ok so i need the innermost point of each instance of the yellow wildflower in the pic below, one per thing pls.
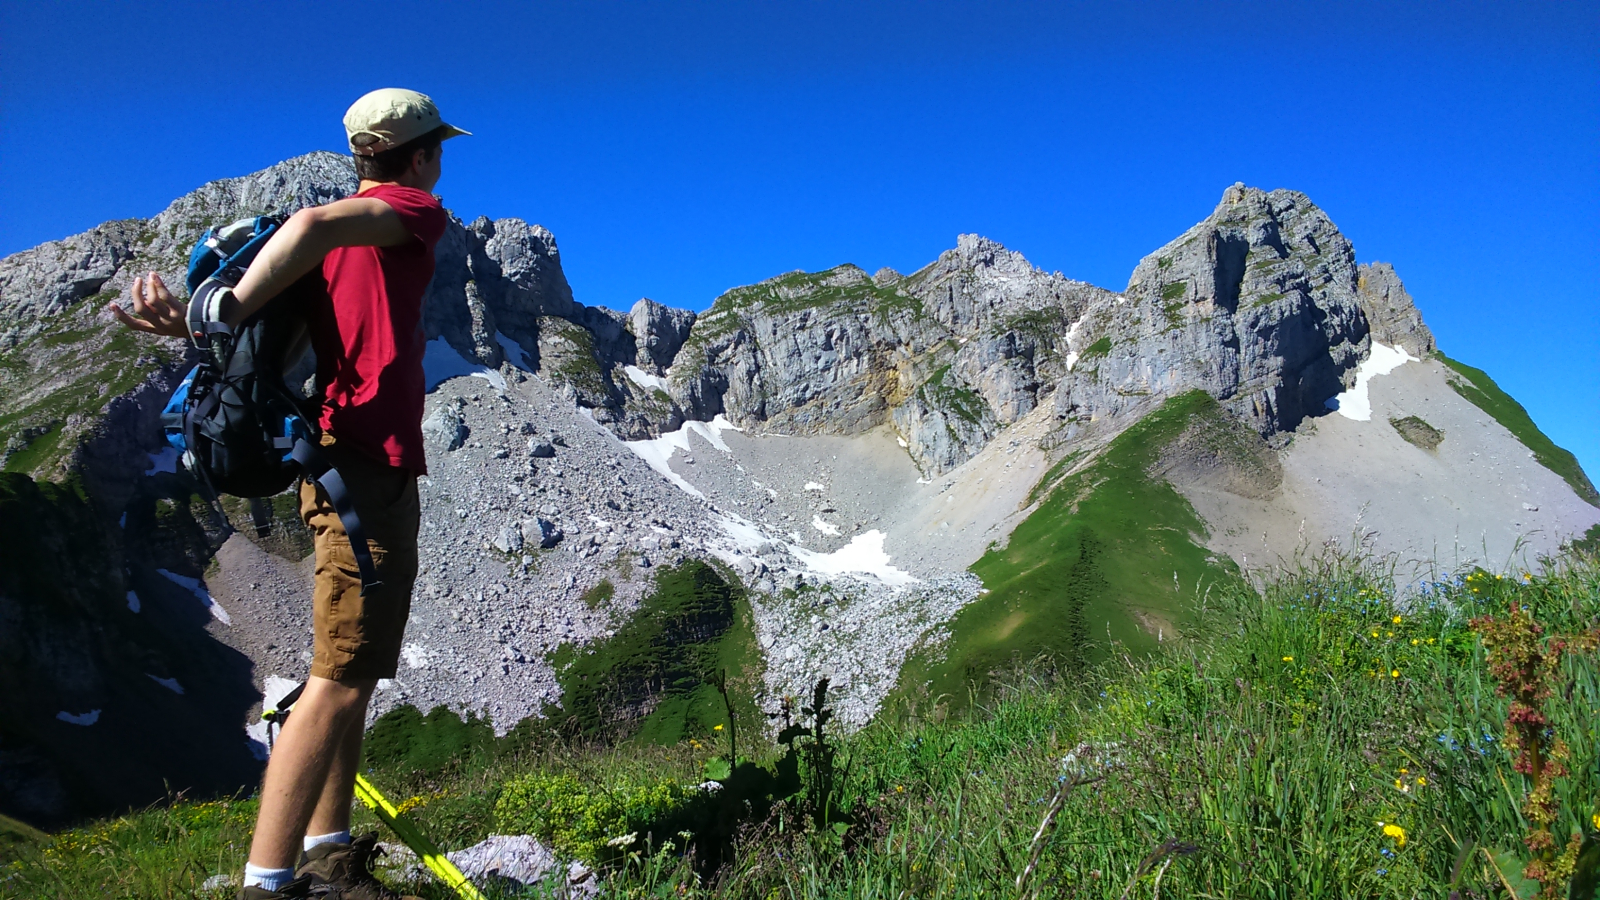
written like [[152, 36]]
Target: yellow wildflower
[[1395, 620], [899, 789], [1430, 640], [1595, 821], [1405, 771], [1374, 634], [1396, 832], [1421, 780], [1288, 659], [1394, 673], [717, 728], [1415, 642]]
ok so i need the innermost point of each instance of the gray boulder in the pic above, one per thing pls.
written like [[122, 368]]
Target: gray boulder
[[446, 428], [509, 540], [543, 532]]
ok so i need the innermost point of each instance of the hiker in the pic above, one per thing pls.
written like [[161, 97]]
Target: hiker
[[375, 250]]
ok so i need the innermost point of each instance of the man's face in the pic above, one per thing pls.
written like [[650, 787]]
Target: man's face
[[429, 170]]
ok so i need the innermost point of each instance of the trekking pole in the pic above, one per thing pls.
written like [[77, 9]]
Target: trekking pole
[[426, 850]]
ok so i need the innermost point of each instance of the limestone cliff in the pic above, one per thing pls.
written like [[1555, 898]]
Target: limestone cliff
[[1261, 304]]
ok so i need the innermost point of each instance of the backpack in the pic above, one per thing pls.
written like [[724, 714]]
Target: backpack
[[240, 428]]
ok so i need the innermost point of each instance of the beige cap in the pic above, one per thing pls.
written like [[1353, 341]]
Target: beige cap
[[389, 117]]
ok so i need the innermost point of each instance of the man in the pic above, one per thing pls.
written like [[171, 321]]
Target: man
[[376, 254]]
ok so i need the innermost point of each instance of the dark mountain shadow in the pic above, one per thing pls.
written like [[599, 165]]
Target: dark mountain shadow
[[112, 692]]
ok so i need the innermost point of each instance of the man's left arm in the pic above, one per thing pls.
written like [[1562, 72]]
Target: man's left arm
[[305, 239], [296, 249]]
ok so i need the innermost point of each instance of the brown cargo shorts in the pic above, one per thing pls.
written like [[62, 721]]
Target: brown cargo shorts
[[355, 637]]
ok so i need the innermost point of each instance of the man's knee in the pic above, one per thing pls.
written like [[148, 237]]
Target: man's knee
[[339, 697]]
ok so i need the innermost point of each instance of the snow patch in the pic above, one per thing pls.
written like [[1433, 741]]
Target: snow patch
[[1355, 403], [813, 486], [658, 451], [747, 536], [170, 684], [824, 527], [1072, 359], [514, 352], [133, 601], [165, 461], [88, 718], [416, 656], [645, 379], [864, 555], [441, 362], [194, 586], [901, 441]]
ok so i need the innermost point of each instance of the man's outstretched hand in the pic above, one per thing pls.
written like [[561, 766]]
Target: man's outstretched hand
[[158, 312]]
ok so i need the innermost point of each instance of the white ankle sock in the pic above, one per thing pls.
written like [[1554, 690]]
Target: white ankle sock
[[267, 879], [337, 837]]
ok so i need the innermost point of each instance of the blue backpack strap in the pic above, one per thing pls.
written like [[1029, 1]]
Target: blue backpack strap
[[316, 467]]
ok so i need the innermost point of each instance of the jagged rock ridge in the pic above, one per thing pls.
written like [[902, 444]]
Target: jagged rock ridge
[[1261, 304]]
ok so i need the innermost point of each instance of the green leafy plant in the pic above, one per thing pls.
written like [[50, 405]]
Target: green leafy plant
[[594, 821], [1526, 667]]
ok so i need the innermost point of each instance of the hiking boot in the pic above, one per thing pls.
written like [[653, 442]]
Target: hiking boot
[[344, 871], [298, 889]]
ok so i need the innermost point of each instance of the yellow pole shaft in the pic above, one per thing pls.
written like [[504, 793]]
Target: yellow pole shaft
[[425, 849]]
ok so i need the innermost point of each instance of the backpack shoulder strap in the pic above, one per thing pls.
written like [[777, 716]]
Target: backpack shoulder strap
[[316, 466]]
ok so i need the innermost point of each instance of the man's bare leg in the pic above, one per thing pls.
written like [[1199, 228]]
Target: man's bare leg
[[298, 773], [332, 812]]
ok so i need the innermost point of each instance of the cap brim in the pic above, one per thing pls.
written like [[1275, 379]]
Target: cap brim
[[452, 131]]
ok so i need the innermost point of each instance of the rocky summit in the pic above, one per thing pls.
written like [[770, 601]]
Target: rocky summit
[[891, 480]]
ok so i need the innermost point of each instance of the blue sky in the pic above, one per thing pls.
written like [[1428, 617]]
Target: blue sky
[[677, 149]]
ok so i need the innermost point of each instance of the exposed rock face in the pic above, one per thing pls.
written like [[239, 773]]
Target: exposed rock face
[[1391, 315], [660, 332], [1261, 305], [1256, 305], [948, 354], [45, 280]]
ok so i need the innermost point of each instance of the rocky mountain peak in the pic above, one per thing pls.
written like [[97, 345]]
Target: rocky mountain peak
[[1260, 304], [1391, 314]]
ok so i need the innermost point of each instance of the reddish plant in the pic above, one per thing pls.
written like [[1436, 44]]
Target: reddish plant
[[1526, 667]]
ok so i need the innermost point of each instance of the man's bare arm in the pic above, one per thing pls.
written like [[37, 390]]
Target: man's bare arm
[[296, 249], [305, 239]]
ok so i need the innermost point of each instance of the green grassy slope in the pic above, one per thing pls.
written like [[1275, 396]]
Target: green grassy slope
[[1480, 389], [1108, 547], [655, 678]]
